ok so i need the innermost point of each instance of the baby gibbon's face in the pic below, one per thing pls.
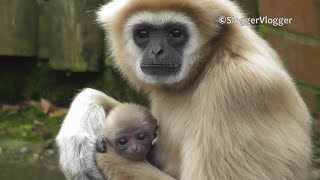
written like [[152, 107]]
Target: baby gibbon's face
[[133, 143], [130, 129]]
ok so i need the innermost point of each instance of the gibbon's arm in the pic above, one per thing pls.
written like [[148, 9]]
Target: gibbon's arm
[[269, 96], [80, 129], [116, 167]]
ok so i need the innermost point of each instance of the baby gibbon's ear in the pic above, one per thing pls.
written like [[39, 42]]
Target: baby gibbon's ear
[[156, 131]]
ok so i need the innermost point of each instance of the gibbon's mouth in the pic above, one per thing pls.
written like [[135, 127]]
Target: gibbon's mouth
[[160, 65], [160, 69]]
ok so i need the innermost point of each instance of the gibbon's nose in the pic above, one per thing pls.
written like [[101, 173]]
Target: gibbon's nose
[[157, 51], [157, 46], [134, 148]]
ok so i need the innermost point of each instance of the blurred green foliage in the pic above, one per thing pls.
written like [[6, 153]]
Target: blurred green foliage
[[28, 123]]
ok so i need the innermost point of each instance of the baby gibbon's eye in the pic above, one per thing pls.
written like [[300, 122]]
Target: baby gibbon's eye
[[143, 34], [122, 141], [142, 136]]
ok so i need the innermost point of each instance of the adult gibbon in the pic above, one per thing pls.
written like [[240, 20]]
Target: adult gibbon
[[227, 109]]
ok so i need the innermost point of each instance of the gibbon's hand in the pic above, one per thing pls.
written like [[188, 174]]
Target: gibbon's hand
[[78, 135]]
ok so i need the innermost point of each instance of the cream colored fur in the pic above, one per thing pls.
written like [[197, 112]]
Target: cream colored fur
[[117, 167]]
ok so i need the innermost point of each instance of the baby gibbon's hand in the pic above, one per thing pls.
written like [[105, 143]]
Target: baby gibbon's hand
[[101, 145]]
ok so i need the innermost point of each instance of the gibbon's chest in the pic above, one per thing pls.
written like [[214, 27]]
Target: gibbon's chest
[[172, 114]]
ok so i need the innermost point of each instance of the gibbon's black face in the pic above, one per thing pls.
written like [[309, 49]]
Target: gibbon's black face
[[155, 47], [133, 143], [162, 47]]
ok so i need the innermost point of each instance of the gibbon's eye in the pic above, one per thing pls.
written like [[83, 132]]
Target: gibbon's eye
[[176, 33], [143, 34], [142, 136], [122, 141]]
